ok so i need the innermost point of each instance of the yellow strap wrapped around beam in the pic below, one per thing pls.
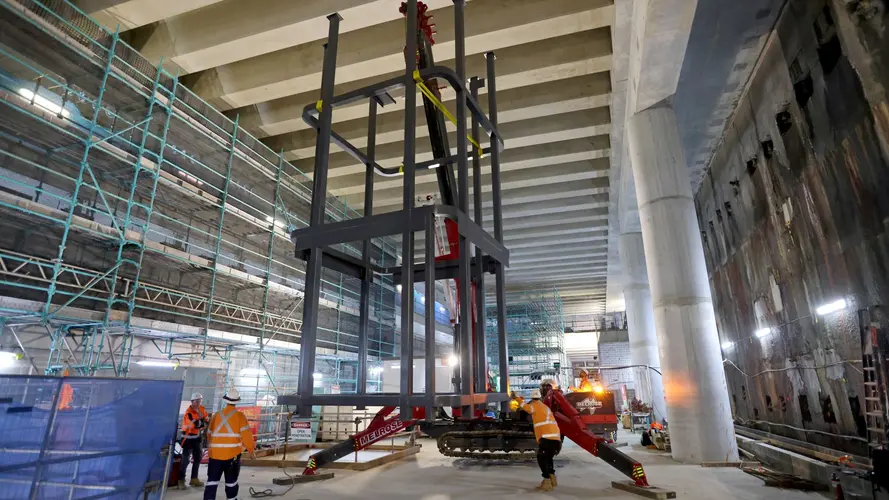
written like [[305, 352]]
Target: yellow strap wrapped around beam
[[441, 107]]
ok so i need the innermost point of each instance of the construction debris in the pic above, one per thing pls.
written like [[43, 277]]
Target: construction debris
[[645, 491]]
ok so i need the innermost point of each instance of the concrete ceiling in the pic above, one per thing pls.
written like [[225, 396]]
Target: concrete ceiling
[[261, 60]]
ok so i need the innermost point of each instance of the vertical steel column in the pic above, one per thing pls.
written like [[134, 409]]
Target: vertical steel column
[[407, 241], [499, 277], [308, 339], [463, 273], [480, 347], [367, 278], [429, 247]]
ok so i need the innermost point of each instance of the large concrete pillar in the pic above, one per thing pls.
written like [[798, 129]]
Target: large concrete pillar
[[640, 324], [694, 381]]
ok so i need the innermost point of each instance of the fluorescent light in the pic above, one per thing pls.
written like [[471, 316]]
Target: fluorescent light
[[317, 375], [252, 372], [44, 103], [727, 345], [452, 360], [762, 332], [7, 359], [834, 306], [395, 367], [157, 363], [376, 370], [216, 334], [398, 287], [434, 165]]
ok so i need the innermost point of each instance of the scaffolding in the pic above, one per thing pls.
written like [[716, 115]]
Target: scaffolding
[[535, 336], [132, 209]]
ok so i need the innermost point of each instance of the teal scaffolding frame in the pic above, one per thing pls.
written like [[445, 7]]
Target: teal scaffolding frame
[[157, 216]]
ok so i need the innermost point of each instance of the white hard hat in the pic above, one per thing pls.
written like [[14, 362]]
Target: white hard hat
[[535, 393], [232, 396], [197, 395]]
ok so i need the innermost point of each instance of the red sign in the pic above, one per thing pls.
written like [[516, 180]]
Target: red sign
[[252, 414]]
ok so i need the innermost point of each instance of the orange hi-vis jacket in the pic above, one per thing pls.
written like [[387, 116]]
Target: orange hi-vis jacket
[[191, 422], [545, 426], [229, 434]]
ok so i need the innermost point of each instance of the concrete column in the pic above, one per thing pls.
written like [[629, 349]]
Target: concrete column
[[694, 381], [640, 323]]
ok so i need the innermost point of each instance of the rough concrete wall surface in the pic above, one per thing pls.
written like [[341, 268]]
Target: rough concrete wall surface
[[792, 213]]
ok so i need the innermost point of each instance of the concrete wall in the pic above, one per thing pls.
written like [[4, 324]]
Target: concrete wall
[[614, 351], [792, 214]]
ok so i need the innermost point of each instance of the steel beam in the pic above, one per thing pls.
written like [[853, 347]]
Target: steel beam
[[367, 276], [407, 248], [308, 339]]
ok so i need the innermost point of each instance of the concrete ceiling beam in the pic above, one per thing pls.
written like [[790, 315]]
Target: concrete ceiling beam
[[582, 126], [218, 34], [587, 216], [561, 263], [524, 103], [533, 253], [510, 180], [549, 207], [129, 14], [275, 75]]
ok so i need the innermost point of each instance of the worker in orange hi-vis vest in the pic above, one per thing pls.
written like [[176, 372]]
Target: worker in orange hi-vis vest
[[549, 440], [67, 395], [194, 421], [229, 434]]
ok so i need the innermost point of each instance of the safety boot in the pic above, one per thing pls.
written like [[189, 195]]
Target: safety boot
[[552, 478], [196, 482], [545, 485], [181, 485]]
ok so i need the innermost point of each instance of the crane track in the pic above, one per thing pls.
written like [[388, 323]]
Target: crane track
[[517, 456]]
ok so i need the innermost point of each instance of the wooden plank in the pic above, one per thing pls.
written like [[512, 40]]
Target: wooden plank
[[357, 466], [297, 479], [645, 491], [388, 458]]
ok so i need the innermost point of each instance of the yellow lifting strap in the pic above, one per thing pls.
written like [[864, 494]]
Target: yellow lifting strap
[[428, 93], [318, 105]]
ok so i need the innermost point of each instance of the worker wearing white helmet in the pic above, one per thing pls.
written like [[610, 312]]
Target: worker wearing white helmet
[[229, 434], [193, 423], [549, 439]]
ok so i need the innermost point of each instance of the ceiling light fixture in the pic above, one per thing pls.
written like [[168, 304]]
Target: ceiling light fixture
[[831, 307]]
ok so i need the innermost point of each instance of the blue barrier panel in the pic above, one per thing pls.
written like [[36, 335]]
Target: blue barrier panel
[[80, 438]]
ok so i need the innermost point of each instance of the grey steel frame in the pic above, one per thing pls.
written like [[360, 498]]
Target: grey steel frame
[[314, 243]]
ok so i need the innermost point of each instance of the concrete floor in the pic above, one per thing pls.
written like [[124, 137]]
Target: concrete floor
[[430, 476]]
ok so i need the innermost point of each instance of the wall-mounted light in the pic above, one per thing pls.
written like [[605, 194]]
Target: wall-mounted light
[[727, 345], [452, 360], [398, 287], [762, 332], [44, 103], [157, 363], [832, 307], [7, 359]]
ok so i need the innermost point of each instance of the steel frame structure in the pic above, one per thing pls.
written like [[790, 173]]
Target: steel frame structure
[[154, 215], [316, 243]]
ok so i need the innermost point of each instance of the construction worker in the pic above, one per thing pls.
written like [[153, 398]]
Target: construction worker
[[228, 435], [585, 384], [549, 442], [193, 422]]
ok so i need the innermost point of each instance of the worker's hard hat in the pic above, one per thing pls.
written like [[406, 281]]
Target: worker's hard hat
[[232, 396], [197, 395], [535, 393]]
